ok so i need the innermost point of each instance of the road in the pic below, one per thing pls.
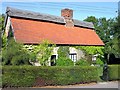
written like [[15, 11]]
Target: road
[[99, 85], [107, 85], [113, 84]]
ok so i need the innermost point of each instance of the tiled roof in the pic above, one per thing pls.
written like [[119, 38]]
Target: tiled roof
[[13, 12], [33, 32]]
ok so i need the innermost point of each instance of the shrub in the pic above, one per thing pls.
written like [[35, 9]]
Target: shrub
[[82, 62], [28, 76], [14, 54], [64, 62], [99, 62], [17, 76], [113, 72]]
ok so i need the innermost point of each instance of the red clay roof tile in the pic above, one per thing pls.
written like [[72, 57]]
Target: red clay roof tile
[[33, 32]]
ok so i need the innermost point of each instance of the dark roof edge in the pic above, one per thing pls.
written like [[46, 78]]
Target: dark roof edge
[[65, 44], [13, 12]]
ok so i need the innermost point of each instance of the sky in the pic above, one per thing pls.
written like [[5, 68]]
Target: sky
[[81, 10]]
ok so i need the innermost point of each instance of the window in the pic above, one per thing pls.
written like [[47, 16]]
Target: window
[[94, 57], [53, 60], [73, 56]]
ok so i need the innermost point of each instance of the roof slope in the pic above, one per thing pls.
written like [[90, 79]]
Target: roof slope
[[12, 12], [33, 32]]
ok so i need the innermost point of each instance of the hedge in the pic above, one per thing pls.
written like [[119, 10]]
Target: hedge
[[114, 72], [30, 76]]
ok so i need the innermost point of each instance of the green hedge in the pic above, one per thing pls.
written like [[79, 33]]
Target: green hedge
[[114, 72], [29, 76]]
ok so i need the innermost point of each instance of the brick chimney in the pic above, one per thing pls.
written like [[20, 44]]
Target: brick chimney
[[68, 15]]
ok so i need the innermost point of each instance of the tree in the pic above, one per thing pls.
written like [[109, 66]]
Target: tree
[[2, 40], [2, 18], [43, 51], [116, 36], [102, 27], [109, 32], [14, 54]]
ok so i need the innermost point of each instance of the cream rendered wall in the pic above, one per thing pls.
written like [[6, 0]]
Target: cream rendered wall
[[55, 52], [7, 28], [79, 53]]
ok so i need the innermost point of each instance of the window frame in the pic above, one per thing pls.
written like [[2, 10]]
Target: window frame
[[73, 56]]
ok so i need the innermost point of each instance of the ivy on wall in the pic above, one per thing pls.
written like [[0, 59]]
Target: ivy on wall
[[63, 51], [92, 50], [41, 52]]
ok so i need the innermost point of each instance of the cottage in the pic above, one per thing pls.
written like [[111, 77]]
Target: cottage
[[31, 28]]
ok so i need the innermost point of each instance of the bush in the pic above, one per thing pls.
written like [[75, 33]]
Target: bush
[[29, 76], [64, 62], [15, 54], [113, 72], [99, 62], [82, 62]]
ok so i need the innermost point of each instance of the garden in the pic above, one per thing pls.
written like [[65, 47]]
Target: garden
[[18, 71]]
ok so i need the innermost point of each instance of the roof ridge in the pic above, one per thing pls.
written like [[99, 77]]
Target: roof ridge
[[13, 12]]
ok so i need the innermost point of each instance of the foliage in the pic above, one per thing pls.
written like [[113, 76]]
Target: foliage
[[31, 50], [114, 72], [103, 27], [116, 27], [92, 50], [116, 39], [62, 61], [112, 47], [43, 51], [17, 76], [63, 57], [99, 62], [1, 31], [4, 41], [14, 54], [2, 17], [82, 62], [28, 76], [63, 51], [108, 30]]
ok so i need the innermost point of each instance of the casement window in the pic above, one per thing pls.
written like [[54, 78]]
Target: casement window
[[73, 56]]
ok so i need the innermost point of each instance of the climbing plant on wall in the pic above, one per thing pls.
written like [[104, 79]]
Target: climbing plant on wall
[[63, 51], [91, 49], [41, 52], [63, 57]]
